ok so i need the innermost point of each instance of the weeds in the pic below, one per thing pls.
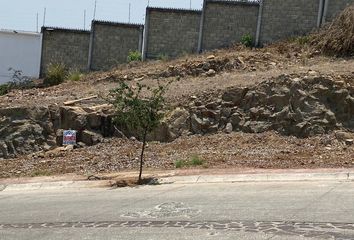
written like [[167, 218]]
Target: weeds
[[134, 56], [41, 172], [194, 161], [56, 74], [75, 76], [4, 89], [162, 57], [304, 40], [247, 40]]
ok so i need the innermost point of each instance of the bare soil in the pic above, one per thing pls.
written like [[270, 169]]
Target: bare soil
[[257, 65], [237, 150], [240, 150]]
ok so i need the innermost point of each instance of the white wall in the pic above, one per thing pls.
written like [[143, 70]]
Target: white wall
[[20, 51]]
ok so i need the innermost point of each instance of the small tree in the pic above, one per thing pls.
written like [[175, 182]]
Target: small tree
[[137, 113]]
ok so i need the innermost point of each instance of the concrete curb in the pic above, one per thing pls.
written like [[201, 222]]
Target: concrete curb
[[275, 177], [194, 179], [55, 185]]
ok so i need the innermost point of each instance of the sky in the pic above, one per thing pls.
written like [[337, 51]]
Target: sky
[[22, 14]]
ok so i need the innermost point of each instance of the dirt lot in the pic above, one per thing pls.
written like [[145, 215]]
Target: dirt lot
[[266, 150], [253, 66]]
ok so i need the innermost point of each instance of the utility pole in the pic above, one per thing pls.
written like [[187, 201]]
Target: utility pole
[[84, 19], [94, 10], [44, 15], [37, 21], [129, 12], [190, 4]]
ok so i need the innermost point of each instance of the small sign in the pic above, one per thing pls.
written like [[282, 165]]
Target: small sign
[[69, 137]]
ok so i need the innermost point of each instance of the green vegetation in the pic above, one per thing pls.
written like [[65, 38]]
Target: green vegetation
[[247, 40], [56, 74], [40, 172], [302, 40], [163, 57], [194, 161], [4, 89], [134, 56], [138, 114], [75, 76]]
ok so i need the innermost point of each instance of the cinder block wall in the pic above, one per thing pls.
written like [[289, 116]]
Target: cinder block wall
[[171, 32], [335, 7], [67, 46], [111, 43], [225, 22], [285, 18]]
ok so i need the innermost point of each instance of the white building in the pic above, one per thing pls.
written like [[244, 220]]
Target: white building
[[20, 51]]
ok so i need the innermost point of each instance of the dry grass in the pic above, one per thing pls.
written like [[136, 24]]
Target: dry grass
[[337, 38]]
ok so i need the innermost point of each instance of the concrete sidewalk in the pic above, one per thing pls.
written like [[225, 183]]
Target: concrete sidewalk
[[181, 177], [265, 177]]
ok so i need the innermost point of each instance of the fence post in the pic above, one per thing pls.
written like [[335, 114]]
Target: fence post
[[91, 46], [325, 11], [141, 39], [201, 28], [320, 13], [259, 23], [146, 31], [41, 73]]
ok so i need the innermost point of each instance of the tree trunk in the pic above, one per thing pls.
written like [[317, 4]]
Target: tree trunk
[[142, 157]]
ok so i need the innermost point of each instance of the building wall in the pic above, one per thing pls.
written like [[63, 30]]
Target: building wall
[[20, 51], [171, 32], [285, 18], [225, 22], [112, 42], [70, 47], [335, 7]]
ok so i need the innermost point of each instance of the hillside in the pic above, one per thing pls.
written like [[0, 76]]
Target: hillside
[[283, 106]]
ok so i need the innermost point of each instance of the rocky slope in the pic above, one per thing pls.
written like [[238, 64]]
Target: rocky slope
[[295, 105]]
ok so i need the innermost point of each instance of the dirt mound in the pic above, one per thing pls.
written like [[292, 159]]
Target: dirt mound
[[337, 38]]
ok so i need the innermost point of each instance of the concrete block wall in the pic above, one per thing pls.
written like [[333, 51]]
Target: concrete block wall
[[334, 7], [171, 32], [111, 43], [67, 46], [225, 22], [285, 18]]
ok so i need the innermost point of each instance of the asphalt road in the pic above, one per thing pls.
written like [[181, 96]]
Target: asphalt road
[[292, 210]]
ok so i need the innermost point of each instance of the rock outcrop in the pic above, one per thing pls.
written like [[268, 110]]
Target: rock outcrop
[[295, 105], [289, 105]]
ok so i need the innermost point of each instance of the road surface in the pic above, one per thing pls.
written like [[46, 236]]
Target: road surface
[[288, 210]]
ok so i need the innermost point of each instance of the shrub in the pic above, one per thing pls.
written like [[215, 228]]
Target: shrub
[[4, 89], [75, 76], [19, 81], [134, 56], [247, 40], [56, 74]]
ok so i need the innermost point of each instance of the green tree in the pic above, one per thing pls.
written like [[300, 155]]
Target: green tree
[[139, 110]]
